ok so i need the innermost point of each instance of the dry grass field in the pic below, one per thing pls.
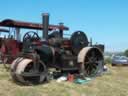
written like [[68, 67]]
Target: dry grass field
[[113, 83]]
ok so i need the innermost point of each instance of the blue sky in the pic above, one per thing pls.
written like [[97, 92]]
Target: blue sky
[[106, 21]]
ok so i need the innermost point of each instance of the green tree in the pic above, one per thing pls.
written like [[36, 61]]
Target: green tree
[[126, 52], [108, 60]]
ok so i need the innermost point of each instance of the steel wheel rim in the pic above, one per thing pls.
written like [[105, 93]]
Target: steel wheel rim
[[18, 76], [93, 60]]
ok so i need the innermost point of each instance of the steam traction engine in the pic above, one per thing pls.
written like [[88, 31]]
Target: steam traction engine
[[55, 51]]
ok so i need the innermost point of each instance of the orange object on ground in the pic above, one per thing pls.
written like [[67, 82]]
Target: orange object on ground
[[70, 77]]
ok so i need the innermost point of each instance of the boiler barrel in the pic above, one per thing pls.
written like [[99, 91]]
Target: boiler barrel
[[46, 53]]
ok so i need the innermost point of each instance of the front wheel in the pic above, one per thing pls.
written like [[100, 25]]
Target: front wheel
[[24, 71]]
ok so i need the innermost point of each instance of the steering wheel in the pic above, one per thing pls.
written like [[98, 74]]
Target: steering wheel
[[30, 36]]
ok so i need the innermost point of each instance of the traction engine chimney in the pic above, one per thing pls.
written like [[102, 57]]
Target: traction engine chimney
[[45, 23]]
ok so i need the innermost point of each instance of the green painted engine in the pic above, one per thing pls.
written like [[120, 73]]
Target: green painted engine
[[71, 55]]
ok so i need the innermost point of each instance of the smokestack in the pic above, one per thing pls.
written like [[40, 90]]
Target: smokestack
[[45, 18], [61, 31]]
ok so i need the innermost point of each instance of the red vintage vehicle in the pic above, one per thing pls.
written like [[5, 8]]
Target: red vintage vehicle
[[1, 36]]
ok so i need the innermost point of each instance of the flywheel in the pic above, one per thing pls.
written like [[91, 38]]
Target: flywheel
[[78, 41]]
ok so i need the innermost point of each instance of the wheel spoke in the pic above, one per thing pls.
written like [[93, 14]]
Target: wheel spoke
[[28, 35], [34, 36]]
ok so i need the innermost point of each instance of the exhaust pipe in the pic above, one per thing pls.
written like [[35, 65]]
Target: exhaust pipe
[[45, 24]]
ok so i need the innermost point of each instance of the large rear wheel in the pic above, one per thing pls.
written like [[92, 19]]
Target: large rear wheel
[[91, 61]]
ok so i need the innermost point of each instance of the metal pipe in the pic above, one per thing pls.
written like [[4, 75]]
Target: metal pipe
[[60, 30], [17, 34], [4, 30], [45, 23]]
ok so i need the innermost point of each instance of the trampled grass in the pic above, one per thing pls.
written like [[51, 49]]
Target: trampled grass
[[113, 83]]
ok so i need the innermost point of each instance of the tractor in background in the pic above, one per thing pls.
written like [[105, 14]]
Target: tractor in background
[[9, 45], [1, 36]]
